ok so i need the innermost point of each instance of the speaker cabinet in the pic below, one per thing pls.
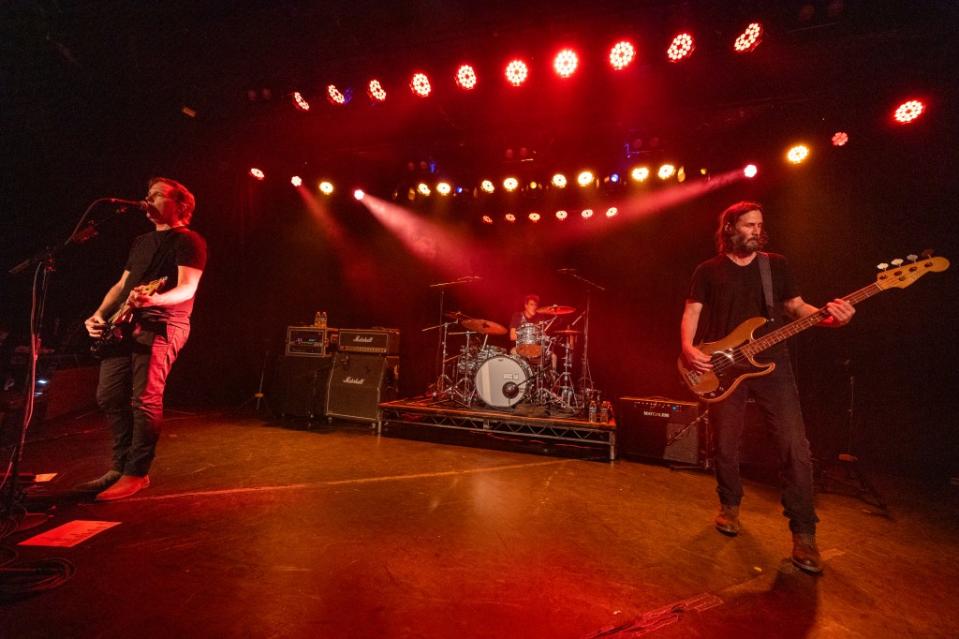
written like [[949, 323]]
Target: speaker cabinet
[[299, 386], [358, 383], [656, 428]]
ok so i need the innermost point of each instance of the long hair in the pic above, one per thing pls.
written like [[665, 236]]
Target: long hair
[[181, 194], [727, 225]]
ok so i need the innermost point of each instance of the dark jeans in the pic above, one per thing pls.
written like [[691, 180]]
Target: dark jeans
[[130, 393], [778, 400]]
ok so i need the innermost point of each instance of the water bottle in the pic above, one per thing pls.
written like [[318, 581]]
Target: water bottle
[[591, 416], [604, 412], [319, 320]]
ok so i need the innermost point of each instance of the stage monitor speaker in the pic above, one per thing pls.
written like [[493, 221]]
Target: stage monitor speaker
[[660, 429], [299, 386], [358, 383]]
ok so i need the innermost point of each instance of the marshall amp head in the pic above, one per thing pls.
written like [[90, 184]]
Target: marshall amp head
[[306, 341], [385, 341]]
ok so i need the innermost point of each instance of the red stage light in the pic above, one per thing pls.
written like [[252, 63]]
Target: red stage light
[[334, 95], [749, 39], [444, 188], [420, 85], [300, 102], [376, 91], [296, 180], [750, 170], [681, 47], [466, 77], [487, 219], [622, 54], [909, 111], [516, 72], [359, 194], [612, 211], [840, 138], [326, 187], [561, 215], [559, 181], [534, 217], [423, 189], [666, 171], [510, 184], [565, 63], [487, 186], [587, 213], [585, 178], [510, 217], [257, 173]]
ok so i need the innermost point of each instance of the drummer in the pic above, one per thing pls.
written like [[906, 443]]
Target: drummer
[[527, 316]]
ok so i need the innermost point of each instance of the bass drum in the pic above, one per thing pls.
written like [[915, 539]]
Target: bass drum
[[495, 373]]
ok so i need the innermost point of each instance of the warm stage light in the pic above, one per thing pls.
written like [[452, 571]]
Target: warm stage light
[[681, 175], [612, 211], [840, 138], [565, 63], [639, 174], [510, 184], [296, 180], [559, 181], [681, 47], [510, 217], [444, 188], [300, 102], [487, 186], [750, 170], [561, 215], [585, 178], [534, 217], [466, 77], [420, 85], [376, 91], [516, 72], [749, 39], [798, 153], [622, 54], [423, 189], [257, 173], [909, 111], [334, 95], [666, 171], [587, 213], [487, 219], [326, 188], [359, 194]]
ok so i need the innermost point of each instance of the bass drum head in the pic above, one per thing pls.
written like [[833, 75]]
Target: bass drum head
[[494, 373]]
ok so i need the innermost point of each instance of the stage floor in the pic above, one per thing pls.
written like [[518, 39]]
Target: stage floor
[[255, 528]]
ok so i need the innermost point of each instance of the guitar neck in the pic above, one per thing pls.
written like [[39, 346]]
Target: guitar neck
[[797, 326]]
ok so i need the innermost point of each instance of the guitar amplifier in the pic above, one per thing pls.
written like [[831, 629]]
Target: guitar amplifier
[[370, 340], [662, 429], [299, 386], [306, 341], [358, 383]]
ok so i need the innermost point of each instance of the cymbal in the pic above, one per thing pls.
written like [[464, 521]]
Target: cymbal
[[457, 315], [555, 309], [483, 326], [568, 331]]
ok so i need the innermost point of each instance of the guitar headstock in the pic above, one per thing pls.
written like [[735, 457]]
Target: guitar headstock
[[903, 274]]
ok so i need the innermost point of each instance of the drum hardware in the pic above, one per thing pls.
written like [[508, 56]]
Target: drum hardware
[[486, 327], [586, 377], [555, 309], [439, 386]]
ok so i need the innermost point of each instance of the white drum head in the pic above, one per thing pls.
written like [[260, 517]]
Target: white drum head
[[496, 372]]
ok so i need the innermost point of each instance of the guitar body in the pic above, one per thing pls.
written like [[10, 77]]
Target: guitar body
[[120, 324], [729, 370]]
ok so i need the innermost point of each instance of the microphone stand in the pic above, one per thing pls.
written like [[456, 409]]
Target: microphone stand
[[586, 380], [439, 387]]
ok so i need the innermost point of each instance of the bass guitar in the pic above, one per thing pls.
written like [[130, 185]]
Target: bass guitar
[[733, 357], [115, 330]]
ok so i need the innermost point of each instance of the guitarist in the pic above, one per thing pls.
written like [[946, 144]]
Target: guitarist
[[133, 373], [725, 291]]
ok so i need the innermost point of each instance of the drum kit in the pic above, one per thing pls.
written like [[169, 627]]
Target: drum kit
[[539, 371]]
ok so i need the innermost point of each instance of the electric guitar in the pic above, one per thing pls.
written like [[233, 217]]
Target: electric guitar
[[115, 330], [733, 357]]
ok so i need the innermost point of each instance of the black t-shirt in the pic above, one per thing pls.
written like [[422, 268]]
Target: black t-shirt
[[157, 254], [731, 294]]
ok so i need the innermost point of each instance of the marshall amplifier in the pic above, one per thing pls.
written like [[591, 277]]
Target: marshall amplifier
[[660, 428], [370, 340], [358, 383], [306, 341]]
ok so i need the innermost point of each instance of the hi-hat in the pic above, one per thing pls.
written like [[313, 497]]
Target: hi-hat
[[457, 315], [483, 326], [555, 309]]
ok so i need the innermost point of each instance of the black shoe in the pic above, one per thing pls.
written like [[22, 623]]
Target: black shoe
[[100, 483], [805, 554]]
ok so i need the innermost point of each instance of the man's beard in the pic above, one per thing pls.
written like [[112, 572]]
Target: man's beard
[[749, 244]]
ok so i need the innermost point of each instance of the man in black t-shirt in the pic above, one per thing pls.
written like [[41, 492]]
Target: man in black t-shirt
[[526, 316], [725, 291], [133, 376]]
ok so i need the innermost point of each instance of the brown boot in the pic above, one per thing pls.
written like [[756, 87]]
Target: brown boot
[[727, 520], [100, 483], [126, 486], [805, 554]]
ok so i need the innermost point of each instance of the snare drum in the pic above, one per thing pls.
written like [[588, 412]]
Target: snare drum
[[529, 340], [493, 374]]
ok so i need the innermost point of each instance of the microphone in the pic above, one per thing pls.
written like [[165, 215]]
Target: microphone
[[565, 270], [120, 203]]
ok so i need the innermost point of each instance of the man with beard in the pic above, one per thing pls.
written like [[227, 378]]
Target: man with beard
[[725, 291]]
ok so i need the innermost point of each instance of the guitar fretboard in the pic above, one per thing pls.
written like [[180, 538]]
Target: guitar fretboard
[[797, 326]]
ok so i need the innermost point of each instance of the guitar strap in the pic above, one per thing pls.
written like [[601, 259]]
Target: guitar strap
[[766, 273]]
